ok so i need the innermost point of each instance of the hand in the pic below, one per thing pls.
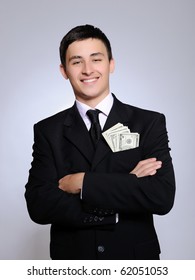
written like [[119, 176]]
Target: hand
[[147, 167], [72, 183]]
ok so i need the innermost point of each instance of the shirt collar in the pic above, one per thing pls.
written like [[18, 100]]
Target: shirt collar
[[104, 106]]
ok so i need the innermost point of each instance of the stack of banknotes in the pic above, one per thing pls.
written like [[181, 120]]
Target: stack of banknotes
[[119, 138]]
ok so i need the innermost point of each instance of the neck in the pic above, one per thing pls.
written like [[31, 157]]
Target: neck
[[91, 101]]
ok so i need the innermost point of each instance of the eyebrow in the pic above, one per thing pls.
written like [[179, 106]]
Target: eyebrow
[[91, 55], [98, 53]]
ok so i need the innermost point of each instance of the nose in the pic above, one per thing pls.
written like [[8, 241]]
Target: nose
[[87, 68]]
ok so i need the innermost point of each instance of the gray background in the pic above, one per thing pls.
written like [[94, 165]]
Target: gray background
[[153, 45]]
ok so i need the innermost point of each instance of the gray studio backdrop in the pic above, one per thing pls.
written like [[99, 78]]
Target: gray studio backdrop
[[153, 45]]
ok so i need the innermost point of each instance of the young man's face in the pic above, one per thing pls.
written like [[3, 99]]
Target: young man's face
[[88, 69]]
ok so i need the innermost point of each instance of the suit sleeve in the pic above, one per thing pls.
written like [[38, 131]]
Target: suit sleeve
[[46, 203], [125, 193]]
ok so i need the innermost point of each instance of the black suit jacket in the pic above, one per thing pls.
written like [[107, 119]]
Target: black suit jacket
[[87, 228]]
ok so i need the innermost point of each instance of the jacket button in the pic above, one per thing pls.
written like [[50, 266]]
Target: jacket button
[[96, 218], [101, 249]]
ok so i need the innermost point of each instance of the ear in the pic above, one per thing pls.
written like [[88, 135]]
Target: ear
[[112, 65], [63, 72]]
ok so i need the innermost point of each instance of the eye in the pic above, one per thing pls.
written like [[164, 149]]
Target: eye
[[97, 60], [76, 62]]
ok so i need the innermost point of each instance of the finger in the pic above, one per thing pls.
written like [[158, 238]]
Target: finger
[[143, 163], [149, 169], [146, 169]]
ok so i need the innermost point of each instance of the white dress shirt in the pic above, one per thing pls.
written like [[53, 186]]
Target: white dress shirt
[[104, 106]]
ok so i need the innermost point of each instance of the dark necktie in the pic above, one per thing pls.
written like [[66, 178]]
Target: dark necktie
[[95, 129]]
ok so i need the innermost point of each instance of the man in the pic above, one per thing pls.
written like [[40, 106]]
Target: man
[[99, 201]]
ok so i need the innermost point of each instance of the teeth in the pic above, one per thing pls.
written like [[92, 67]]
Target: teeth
[[90, 80]]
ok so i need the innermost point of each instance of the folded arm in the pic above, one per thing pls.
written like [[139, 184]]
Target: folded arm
[[148, 188], [73, 183], [46, 202]]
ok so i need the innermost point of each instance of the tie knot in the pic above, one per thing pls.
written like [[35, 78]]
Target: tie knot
[[93, 115]]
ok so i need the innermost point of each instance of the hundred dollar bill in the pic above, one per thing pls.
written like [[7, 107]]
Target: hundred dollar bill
[[128, 141], [116, 126], [113, 141], [111, 133], [113, 137], [108, 132], [120, 138]]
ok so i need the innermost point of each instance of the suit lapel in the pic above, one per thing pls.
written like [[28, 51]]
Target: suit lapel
[[117, 114], [76, 132]]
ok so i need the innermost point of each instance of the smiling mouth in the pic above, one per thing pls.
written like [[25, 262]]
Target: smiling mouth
[[88, 81]]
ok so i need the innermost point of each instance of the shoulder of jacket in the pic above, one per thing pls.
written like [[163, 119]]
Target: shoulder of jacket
[[138, 111], [53, 120], [56, 117]]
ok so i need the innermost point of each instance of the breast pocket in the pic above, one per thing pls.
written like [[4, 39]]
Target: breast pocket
[[124, 161]]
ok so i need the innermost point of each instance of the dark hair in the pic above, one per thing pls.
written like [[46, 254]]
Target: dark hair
[[80, 33]]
